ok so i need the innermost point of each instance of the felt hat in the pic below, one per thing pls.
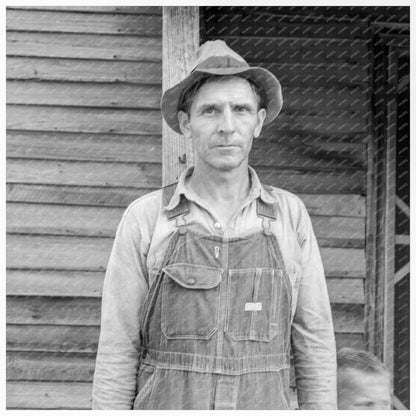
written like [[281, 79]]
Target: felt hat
[[217, 58]]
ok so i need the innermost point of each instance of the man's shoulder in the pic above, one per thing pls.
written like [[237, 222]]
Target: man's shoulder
[[283, 196], [147, 205]]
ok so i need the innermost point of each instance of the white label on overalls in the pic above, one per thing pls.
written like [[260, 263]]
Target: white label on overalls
[[249, 306]]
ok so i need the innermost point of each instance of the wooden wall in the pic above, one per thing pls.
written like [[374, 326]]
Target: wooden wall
[[83, 141]]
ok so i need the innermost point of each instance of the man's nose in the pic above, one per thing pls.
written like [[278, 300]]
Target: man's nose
[[227, 122]]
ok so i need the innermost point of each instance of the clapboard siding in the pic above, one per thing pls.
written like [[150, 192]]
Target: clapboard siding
[[72, 22], [76, 70], [146, 10]]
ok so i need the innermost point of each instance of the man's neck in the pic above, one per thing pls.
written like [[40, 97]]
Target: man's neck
[[223, 192]]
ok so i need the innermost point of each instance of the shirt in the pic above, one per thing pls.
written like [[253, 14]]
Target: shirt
[[140, 243]]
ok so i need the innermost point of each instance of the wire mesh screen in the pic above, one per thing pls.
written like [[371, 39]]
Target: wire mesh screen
[[84, 140]]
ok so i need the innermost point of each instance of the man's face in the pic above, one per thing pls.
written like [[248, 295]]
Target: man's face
[[359, 390], [222, 121]]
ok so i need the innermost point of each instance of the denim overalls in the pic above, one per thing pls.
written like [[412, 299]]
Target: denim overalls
[[216, 321]]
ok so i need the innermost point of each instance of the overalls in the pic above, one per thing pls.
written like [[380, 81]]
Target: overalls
[[216, 322]]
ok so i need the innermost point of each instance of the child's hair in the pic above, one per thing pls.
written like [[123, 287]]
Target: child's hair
[[360, 360]]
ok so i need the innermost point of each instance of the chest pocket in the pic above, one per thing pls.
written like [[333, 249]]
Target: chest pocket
[[258, 304], [190, 301]]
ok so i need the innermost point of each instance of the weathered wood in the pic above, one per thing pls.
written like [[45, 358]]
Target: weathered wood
[[47, 310], [42, 310], [84, 94], [43, 366], [157, 10], [337, 205], [53, 338], [89, 253], [77, 339], [48, 395], [58, 283], [73, 22], [68, 45], [83, 173], [89, 284], [62, 220], [83, 70], [75, 195], [88, 120], [180, 43], [300, 50], [240, 23], [84, 146], [103, 221]]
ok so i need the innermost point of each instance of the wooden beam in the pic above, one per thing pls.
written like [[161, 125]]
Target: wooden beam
[[180, 43], [403, 206], [399, 275]]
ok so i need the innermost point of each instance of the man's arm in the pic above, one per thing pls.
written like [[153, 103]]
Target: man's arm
[[125, 286], [313, 341]]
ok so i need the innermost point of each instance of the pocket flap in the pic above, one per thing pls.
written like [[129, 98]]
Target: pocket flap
[[193, 276]]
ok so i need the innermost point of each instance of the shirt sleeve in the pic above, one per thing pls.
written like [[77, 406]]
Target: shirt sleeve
[[125, 287], [313, 340]]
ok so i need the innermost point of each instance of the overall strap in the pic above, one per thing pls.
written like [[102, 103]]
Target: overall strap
[[268, 212], [181, 209]]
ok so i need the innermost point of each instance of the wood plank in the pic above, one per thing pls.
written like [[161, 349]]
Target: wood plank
[[325, 155], [69, 45], [91, 254], [84, 146], [157, 10], [310, 182], [345, 290], [57, 283], [337, 205], [299, 50], [47, 310], [103, 221], [42, 310], [240, 23], [84, 339], [83, 173], [314, 74], [58, 252], [62, 220], [75, 195], [88, 120], [84, 94], [52, 338], [48, 395], [43, 366], [73, 22], [83, 70]]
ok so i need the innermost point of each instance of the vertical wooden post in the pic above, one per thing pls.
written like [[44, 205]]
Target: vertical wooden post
[[180, 43]]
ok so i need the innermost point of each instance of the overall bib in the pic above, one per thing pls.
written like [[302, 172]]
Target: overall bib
[[216, 322]]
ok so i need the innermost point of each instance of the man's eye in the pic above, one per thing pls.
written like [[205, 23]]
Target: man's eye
[[242, 109], [209, 110]]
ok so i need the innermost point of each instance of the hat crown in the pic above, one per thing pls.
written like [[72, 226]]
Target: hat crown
[[217, 54]]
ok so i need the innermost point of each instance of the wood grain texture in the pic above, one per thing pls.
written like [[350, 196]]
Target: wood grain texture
[[84, 46], [84, 94], [156, 10], [84, 146], [61, 283], [83, 70], [75, 195], [84, 120], [48, 395], [73, 22]]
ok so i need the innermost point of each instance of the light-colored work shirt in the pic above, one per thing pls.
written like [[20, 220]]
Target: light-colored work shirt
[[141, 241]]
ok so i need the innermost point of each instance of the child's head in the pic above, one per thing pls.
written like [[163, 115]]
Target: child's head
[[363, 381]]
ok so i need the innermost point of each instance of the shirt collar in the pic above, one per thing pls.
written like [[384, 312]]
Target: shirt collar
[[256, 189]]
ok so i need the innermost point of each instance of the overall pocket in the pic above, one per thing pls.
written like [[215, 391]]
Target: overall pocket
[[256, 299], [190, 301]]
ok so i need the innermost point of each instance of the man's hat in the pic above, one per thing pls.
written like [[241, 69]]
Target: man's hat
[[216, 58]]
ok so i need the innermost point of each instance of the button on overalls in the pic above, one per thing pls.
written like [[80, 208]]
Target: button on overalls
[[216, 322]]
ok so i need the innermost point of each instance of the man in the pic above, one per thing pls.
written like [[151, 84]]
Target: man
[[363, 381], [211, 281]]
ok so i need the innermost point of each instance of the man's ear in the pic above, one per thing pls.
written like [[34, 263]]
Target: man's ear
[[261, 115], [183, 119]]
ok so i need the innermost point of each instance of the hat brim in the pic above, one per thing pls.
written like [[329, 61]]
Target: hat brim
[[263, 78]]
